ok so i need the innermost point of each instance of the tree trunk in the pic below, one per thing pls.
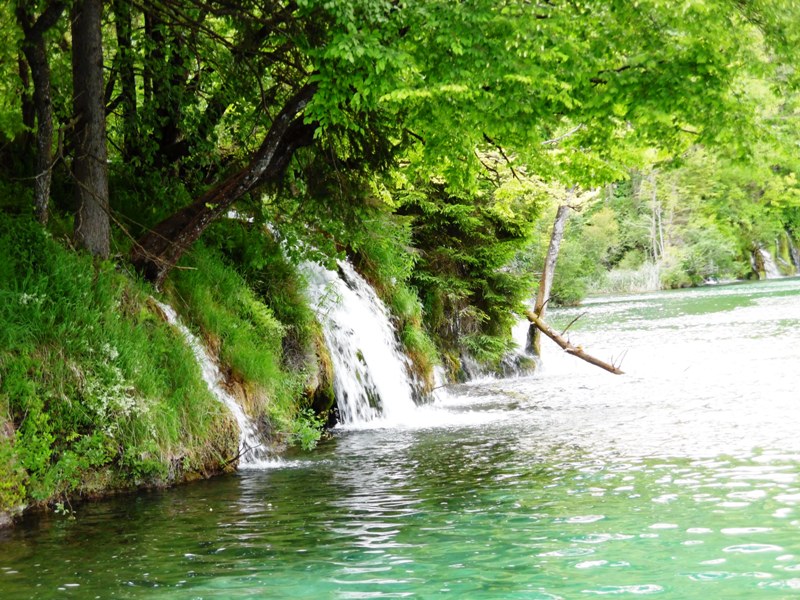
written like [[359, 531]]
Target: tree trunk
[[35, 50], [90, 168], [26, 101], [656, 229], [159, 250], [546, 283]]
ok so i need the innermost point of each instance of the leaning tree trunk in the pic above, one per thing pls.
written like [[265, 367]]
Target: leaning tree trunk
[[157, 252], [90, 169], [35, 50], [546, 283]]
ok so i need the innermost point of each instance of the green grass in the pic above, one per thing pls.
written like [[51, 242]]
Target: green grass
[[216, 300], [95, 389]]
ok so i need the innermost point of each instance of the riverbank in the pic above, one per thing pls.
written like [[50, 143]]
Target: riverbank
[[653, 277], [99, 395]]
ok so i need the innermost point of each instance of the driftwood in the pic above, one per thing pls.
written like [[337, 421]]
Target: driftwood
[[567, 346]]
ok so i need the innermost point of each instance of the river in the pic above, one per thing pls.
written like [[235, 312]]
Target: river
[[679, 479]]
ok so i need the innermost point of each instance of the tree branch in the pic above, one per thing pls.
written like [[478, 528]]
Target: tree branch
[[503, 154], [568, 347], [570, 133]]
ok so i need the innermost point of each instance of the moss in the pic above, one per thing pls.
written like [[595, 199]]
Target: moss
[[12, 476], [319, 386]]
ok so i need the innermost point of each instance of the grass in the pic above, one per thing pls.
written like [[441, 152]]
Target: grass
[[94, 386], [217, 302]]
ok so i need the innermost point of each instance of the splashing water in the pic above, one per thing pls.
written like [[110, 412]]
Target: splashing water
[[253, 454], [371, 379]]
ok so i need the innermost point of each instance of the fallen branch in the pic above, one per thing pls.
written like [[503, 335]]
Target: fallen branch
[[567, 346]]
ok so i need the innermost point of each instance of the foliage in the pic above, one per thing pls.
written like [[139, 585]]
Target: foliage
[[259, 258], [568, 91], [695, 219], [307, 429], [469, 289]]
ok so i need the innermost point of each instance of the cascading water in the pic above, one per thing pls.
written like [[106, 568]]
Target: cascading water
[[771, 270], [252, 451], [371, 378]]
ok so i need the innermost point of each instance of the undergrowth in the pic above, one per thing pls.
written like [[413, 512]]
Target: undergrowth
[[96, 391]]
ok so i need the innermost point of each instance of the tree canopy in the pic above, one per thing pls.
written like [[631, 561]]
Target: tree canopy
[[295, 98]]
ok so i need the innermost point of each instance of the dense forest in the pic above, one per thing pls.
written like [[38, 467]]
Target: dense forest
[[200, 152]]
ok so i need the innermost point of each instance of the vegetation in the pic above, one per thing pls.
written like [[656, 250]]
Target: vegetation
[[699, 219], [470, 291], [101, 393], [203, 149]]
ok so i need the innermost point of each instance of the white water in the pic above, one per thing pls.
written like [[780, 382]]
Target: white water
[[771, 270], [253, 454], [371, 377]]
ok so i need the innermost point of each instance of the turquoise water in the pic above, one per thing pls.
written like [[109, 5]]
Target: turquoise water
[[676, 480]]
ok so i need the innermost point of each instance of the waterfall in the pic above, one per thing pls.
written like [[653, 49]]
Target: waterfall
[[771, 270], [371, 373], [252, 451]]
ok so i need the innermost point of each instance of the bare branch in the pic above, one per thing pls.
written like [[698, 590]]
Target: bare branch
[[571, 323], [503, 154]]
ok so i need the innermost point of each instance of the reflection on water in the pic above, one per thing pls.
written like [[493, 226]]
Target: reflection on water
[[678, 480]]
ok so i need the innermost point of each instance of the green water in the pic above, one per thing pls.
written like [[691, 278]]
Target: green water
[[677, 480]]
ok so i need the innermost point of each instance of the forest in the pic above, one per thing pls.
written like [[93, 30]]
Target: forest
[[200, 152]]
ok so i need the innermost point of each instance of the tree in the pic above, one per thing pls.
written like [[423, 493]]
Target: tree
[[90, 168], [546, 281], [35, 49], [560, 90], [161, 248]]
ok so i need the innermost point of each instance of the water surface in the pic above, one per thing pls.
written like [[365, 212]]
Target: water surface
[[676, 480]]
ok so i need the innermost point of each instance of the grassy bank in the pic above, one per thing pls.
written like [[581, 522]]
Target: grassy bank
[[98, 393]]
